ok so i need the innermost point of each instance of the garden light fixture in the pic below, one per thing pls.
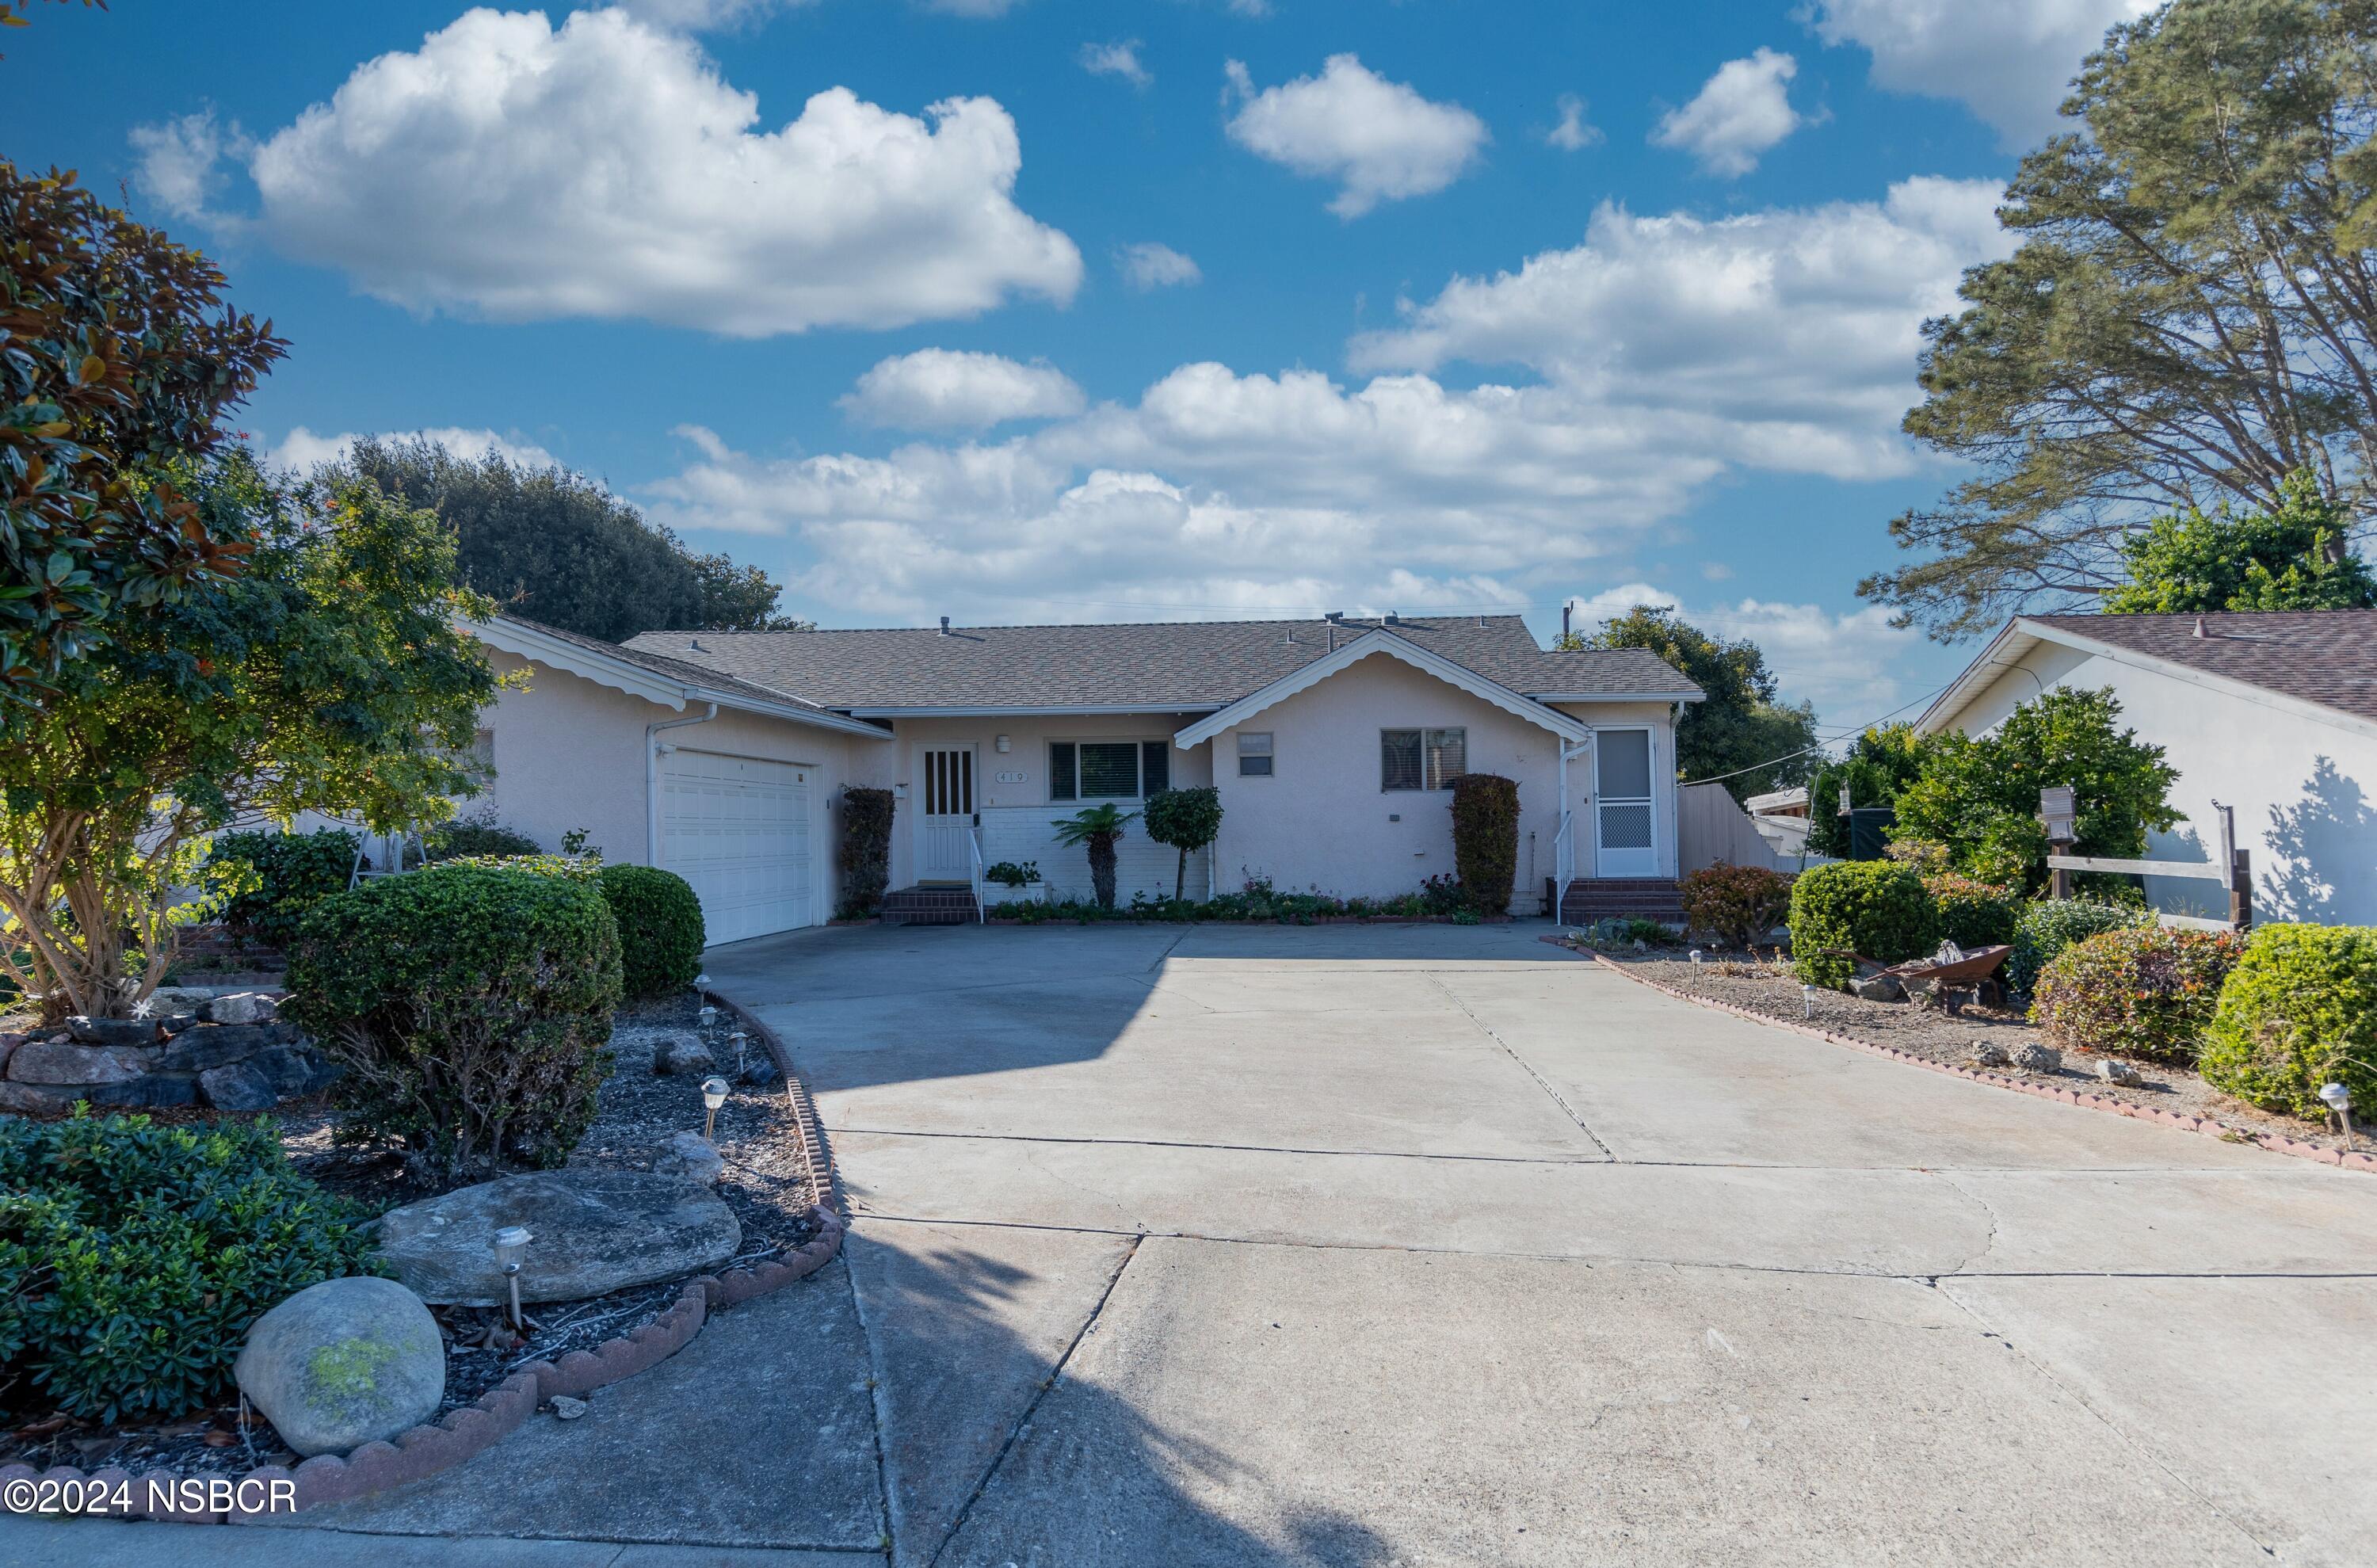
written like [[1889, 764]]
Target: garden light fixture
[[511, 1250], [708, 1022], [713, 1094], [1808, 1000], [740, 1040], [1696, 955], [2338, 1099], [702, 981]]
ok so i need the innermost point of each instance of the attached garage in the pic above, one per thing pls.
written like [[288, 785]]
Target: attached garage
[[740, 830]]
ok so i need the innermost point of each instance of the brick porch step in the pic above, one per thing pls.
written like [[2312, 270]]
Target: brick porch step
[[929, 906], [1623, 898]]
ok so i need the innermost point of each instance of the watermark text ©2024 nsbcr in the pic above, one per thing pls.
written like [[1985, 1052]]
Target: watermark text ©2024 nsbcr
[[157, 1494]]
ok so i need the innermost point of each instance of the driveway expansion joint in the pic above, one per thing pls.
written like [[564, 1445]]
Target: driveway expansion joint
[[1541, 1081]]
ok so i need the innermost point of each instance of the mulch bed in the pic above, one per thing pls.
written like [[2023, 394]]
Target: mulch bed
[[1759, 985], [766, 1184]]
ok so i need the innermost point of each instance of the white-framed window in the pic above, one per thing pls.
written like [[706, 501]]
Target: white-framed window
[[1422, 759], [1254, 754], [1108, 770]]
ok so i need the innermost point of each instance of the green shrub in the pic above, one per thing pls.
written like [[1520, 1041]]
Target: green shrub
[[1736, 905], [478, 836], [470, 1007], [1188, 820], [2299, 1011], [865, 852], [2047, 926], [1486, 839], [133, 1258], [1973, 913], [2146, 992], [1875, 907], [272, 879], [660, 933]]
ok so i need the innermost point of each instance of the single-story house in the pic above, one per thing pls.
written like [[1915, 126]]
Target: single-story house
[[1333, 743], [2271, 713]]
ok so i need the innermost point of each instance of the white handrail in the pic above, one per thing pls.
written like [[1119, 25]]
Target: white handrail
[[1563, 863], [974, 848]]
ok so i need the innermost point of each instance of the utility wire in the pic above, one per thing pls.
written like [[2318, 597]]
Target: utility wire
[[1821, 745]]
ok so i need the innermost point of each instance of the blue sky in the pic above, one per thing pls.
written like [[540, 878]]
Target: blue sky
[[1059, 310]]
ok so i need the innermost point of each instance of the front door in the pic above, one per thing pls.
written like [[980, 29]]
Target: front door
[[945, 822], [1623, 840]]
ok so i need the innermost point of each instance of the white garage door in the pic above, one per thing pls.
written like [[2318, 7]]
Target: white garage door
[[738, 830]]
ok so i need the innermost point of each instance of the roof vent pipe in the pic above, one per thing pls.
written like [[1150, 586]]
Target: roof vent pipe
[[945, 625], [2199, 627]]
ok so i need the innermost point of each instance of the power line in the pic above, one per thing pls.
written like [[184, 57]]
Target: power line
[[1820, 746]]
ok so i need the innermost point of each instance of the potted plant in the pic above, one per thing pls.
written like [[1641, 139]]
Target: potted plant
[[1008, 882]]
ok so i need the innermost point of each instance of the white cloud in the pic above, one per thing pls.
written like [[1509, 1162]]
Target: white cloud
[[518, 171], [1853, 666], [302, 451], [1572, 133], [2010, 61], [1737, 113], [1665, 353], [943, 389], [1119, 59], [703, 15], [1150, 266], [180, 165], [1795, 330], [1380, 140]]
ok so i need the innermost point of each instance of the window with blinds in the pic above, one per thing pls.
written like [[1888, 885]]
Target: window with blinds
[[1108, 770], [1422, 759]]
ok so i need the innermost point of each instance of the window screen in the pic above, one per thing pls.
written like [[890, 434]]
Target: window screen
[[1060, 771], [1254, 755], [1109, 770], [1447, 757], [1625, 767], [1399, 759], [1154, 765]]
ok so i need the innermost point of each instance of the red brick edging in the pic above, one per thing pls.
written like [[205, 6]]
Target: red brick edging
[[2276, 1143], [422, 1450]]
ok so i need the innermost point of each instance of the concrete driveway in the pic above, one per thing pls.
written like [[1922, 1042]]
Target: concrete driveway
[[1357, 1245]]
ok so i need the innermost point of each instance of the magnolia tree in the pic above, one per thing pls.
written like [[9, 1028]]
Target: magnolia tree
[[337, 672]]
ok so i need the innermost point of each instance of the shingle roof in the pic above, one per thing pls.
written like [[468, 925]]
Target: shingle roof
[[1154, 665], [704, 675], [2324, 656]]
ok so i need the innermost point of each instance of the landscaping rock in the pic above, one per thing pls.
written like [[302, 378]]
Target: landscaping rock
[[220, 1044], [683, 1055], [237, 1087], [191, 1000], [691, 1155], [568, 1409], [153, 1092], [2113, 1072], [1879, 987], [129, 1032], [172, 1023], [8, 1043], [596, 1231], [343, 1363], [243, 1007], [264, 1080], [35, 1099], [44, 1062], [2039, 1059], [1989, 1053]]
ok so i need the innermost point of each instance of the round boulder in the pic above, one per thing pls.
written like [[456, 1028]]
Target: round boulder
[[343, 1363]]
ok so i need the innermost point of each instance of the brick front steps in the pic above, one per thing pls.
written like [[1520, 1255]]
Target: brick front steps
[[1623, 898], [929, 906]]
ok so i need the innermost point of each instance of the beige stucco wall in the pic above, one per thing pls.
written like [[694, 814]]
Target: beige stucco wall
[[2303, 788], [1321, 821], [1016, 812], [570, 754]]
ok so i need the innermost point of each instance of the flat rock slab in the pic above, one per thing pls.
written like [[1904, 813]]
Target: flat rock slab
[[596, 1231], [759, 1433]]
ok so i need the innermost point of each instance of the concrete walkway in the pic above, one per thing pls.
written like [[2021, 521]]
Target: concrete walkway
[[1358, 1245]]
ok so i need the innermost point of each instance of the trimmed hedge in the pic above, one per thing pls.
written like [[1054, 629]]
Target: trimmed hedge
[[2046, 926], [1973, 913], [2146, 992], [470, 1005], [280, 876], [865, 852], [660, 933], [1876, 907], [2299, 1011], [478, 836], [134, 1258], [1736, 905], [1486, 839]]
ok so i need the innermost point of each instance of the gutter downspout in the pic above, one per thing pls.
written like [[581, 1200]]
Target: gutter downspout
[[652, 778]]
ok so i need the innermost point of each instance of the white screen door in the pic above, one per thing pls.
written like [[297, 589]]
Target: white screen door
[[1623, 845], [948, 816]]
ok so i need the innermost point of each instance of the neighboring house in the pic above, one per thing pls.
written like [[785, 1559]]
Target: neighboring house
[[1783, 819], [2274, 714], [1334, 744]]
